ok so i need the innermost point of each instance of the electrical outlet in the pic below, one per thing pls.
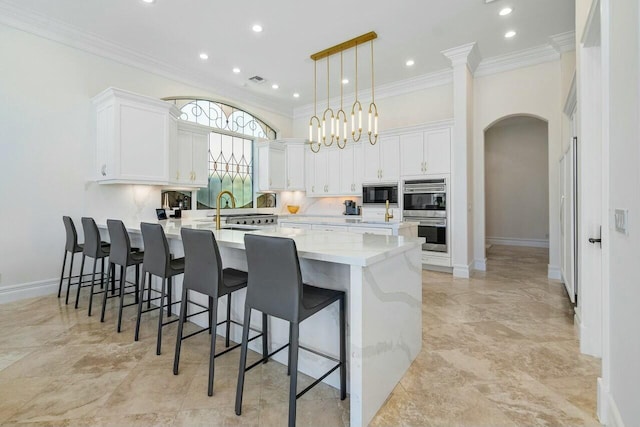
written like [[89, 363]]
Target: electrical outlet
[[621, 218]]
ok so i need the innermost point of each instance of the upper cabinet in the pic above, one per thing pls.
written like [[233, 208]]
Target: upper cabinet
[[133, 135], [189, 156], [427, 152], [382, 160], [271, 166], [351, 165], [295, 166]]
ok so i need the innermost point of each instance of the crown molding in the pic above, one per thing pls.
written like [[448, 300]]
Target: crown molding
[[388, 90], [466, 54], [512, 61], [563, 42], [572, 97], [56, 31], [423, 127]]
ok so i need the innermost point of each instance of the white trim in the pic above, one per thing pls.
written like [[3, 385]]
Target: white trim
[[480, 264], [423, 127], [554, 272], [388, 90], [572, 98], [467, 54], [28, 290], [508, 241], [563, 42], [60, 32], [462, 271], [591, 33], [608, 412], [520, 59]]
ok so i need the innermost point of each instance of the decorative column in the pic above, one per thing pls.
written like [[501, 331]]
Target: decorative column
[[464, 60]]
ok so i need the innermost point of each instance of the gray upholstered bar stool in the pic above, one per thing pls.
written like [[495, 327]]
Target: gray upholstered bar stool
[[158, 262], [72, 247], [123, 255], [93, 248], [203, 273], [275, 288]]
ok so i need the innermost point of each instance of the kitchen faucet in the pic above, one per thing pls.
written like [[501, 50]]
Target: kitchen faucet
[[218, 200], [387, 215]]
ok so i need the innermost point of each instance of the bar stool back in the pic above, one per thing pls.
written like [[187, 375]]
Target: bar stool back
[[204, 273], [93, 248], [123, 255], [71, 246], [157, 262], [275, 287]]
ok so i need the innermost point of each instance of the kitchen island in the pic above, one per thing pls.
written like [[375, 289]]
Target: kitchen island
[[381, 276]]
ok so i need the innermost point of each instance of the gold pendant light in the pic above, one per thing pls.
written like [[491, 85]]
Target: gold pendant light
[[336, 128]]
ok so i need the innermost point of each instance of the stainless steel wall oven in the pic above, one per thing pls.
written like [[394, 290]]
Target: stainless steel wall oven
[[425, 202]]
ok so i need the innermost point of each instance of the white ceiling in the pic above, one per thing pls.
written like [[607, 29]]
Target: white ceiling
[[176, 31]]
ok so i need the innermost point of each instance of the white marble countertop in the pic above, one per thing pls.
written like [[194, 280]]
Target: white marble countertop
[[346, 220], [331, 246]]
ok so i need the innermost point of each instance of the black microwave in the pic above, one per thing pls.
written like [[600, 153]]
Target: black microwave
[[378, 194]]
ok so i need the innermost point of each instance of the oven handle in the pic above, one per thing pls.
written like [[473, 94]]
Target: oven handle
[[435, 222], [425, 189]]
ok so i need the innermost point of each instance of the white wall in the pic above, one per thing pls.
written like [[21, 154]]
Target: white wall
[[624, 192], [534, 91], [47, 149], [517, 181]]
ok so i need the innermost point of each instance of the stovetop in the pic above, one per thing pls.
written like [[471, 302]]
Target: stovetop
[[252, 219]]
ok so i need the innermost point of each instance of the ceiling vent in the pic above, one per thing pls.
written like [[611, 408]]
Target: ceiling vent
[[257, 79]]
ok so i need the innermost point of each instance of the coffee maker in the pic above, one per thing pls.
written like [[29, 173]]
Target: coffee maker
[[350, 208]]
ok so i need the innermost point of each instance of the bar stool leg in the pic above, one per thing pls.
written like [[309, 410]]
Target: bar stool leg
[[64, 262], [93, 282], [113, 279], [289, 363], [343, 352], [140, 301], [104, 299], [79, 282], [265, 337], [293, 347], [137, 282], [123, 272], [148, 292], [66, 297], [169, 295], [243, 358], [211, 315], [162, 296], [226, 339], [212, 351], [102, 273], [181, 319]]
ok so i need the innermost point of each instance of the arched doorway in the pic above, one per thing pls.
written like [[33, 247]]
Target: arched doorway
[[516, 166]]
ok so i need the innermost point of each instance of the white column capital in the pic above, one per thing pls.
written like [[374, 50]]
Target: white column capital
[[467, 54]]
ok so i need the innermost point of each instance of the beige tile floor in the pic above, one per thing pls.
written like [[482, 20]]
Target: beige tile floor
[[498, 350]]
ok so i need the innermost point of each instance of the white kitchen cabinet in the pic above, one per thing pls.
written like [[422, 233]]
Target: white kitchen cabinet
[[295, 225], [333, 172], [351, 163], [382, 160], [309, 174], [189, 156], [323, 172], [133, 138], [426, 152], [271, 167], [295, 154], [324, 227]]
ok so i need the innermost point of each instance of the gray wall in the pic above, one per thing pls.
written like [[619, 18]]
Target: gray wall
[[517, 178]]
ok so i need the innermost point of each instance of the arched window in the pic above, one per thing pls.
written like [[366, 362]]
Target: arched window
[[233, 134]]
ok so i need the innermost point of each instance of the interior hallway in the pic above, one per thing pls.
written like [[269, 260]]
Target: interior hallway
[[499, 350]]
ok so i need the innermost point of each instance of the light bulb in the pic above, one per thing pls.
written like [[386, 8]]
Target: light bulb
[[332, 128], [324, 132], [375, 125], [353, 123], [360, 120], [319, 132], [337, 128], [344, 134], [310, 132], [369, 123]]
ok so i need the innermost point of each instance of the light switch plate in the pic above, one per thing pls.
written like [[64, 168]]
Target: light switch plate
[[621, 216]]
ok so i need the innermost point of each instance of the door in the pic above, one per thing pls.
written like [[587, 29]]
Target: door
[[320, 173], [412, 154], [333, 171], [371, 171], [185, 157], [295, 167], [389, 158], [347, 170], [437, 151], [200, 159]]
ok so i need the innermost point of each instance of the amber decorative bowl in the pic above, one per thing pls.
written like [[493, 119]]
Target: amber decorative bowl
[[293, 208]]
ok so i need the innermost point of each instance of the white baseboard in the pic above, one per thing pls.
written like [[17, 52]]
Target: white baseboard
[[608, 412], [28, 290], [535, 243], [554, 272], [480, 264], [462, 271]]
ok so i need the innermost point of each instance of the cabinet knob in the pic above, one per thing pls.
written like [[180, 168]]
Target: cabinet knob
[[103, 170], [194, 176], [313, 188], [177, 176]]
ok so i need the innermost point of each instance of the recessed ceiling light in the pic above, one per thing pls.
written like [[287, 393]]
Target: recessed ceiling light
[[149, 1], [345, 81], [296, 95], [274, 86], [257, 28], [505, 11], [204, 56], [509, 34], [410, 63], [236, 70]]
